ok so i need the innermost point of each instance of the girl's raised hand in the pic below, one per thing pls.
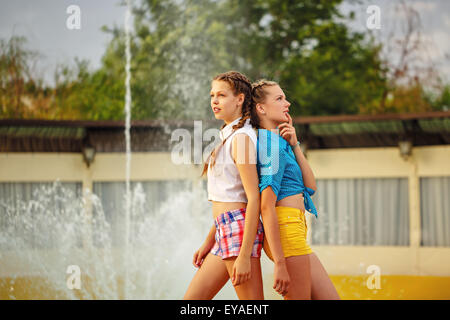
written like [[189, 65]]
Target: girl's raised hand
[[287, 131]]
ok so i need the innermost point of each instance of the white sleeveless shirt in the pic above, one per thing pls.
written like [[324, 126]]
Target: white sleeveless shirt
[[224, 180]]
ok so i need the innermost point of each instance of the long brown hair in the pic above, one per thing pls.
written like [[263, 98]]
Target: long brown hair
[[239, 83]]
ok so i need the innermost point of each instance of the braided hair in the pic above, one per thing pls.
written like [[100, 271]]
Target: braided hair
[[259, 96], [239, 83]]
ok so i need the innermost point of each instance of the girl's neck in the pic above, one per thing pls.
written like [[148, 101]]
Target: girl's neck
[[227, 122], [268, 124]]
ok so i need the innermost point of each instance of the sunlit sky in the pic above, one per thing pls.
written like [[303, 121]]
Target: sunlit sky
[[43, 23]]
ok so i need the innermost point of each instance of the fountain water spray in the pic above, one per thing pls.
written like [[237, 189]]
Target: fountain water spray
[[127, 141], [41, 237]]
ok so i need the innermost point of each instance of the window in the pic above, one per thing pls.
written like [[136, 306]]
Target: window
[[367, 212], [435, 211]]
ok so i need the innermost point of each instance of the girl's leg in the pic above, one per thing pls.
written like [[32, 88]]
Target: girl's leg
[[322, 288], [208, 280], [300, 274], [253, 288]]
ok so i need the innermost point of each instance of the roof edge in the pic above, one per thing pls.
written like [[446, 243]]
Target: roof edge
[[157, 122]]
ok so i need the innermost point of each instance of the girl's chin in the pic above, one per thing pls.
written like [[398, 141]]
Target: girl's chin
[[280, 120]]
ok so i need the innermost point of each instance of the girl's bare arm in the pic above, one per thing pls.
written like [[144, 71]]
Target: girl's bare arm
[[244, 155], [272, 236], [287, 131], [307, 173]]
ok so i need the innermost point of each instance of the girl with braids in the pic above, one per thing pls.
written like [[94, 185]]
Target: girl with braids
[[286, 185], [233, 246]]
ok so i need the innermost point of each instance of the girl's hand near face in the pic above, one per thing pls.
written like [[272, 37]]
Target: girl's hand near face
[[287, 131]]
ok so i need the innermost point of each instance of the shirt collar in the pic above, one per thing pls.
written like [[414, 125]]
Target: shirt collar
[[228, 129]]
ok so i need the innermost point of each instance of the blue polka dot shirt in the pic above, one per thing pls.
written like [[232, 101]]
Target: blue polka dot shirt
[[278, 168]]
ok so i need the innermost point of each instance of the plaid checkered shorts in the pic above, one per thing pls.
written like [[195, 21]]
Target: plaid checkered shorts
[[230, 232]]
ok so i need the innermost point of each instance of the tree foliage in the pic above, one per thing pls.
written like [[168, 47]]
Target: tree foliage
[[179, 45]]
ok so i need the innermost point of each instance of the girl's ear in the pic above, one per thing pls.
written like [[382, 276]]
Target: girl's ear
[[241, 98], [260, 108]]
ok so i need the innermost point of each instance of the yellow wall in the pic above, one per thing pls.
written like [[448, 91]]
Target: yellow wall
[[392, 287]]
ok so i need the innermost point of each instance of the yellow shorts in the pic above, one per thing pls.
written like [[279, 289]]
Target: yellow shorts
[[293, 231]]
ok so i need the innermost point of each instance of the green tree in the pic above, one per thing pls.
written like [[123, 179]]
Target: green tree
[[81, 94], [15, 77], [180, 45]]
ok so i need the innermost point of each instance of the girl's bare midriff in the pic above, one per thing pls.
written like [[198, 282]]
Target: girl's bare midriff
[[294, 201], [221, 207]]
